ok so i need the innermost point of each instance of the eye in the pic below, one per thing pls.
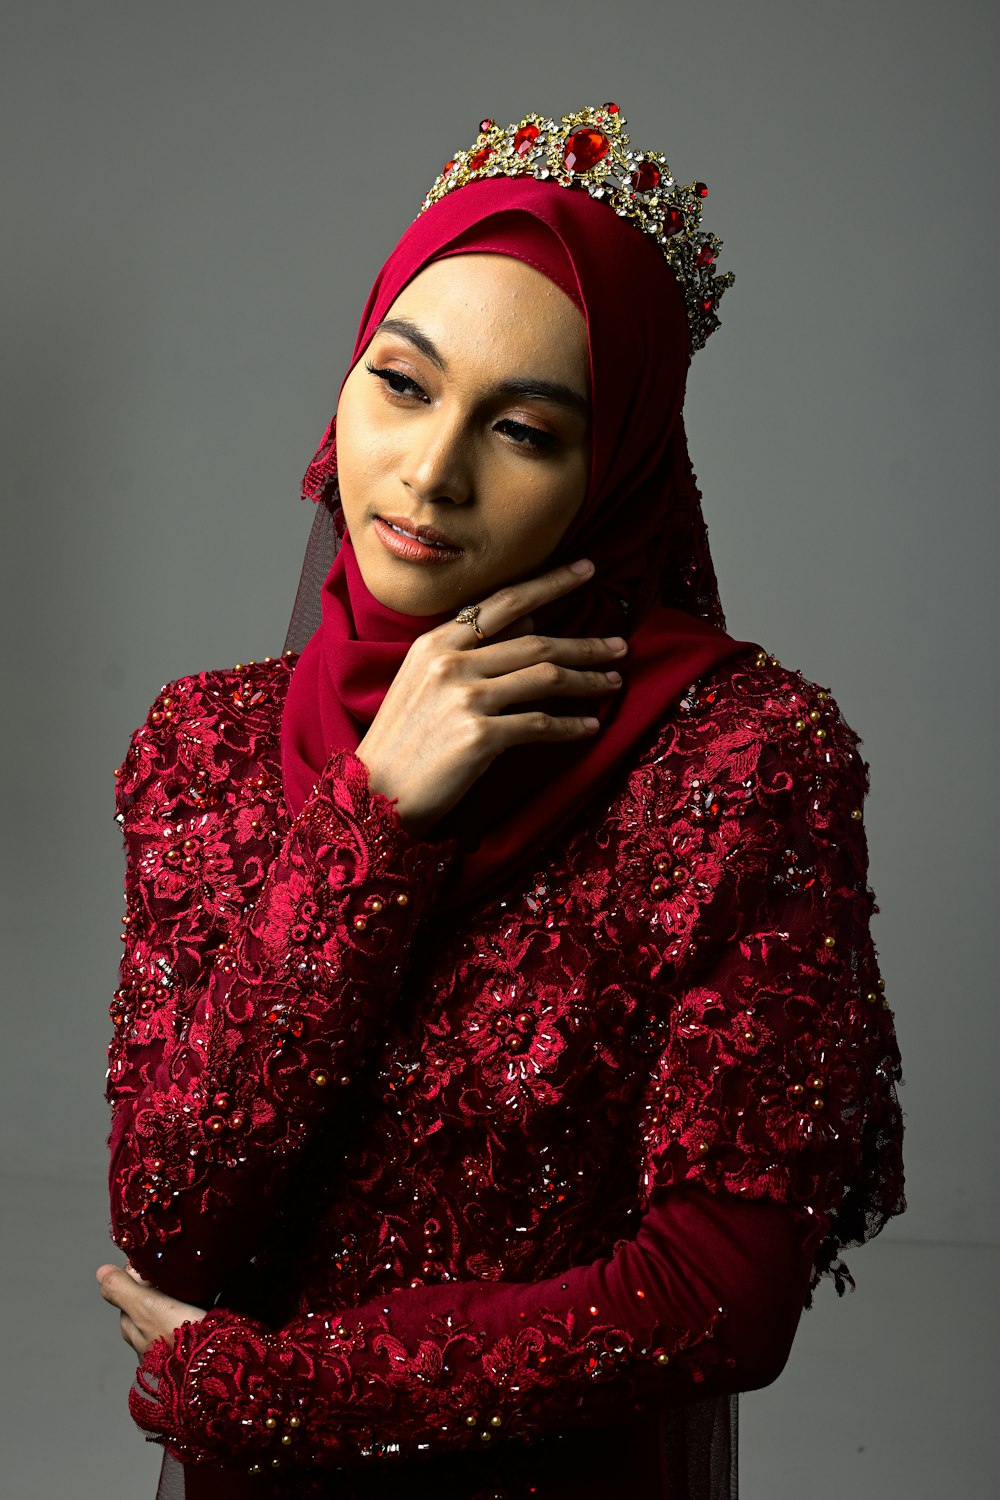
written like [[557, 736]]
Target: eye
[[395, 381], [526, 436]]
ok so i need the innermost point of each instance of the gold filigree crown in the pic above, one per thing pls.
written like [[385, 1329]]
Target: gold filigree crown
[[590, 149]]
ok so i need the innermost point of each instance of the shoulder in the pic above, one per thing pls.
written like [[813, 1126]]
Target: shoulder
[[199, 727], [755, 717]]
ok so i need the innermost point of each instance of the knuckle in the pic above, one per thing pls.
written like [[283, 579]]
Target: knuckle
[[549, 674], [506, 598], [441, 667], [541, 646], [540, 723]]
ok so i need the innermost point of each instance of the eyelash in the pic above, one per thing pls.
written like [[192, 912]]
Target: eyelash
[[521, 434]]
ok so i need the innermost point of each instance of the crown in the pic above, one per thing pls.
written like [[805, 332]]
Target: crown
[[590, 149]]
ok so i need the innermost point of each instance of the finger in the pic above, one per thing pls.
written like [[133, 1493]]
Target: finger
[[500, 657], [535, 727], [542, 680], [525, 625], [117, 1288], [506, 605], [132, 1335]]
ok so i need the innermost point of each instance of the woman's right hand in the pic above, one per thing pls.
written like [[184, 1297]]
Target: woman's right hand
[[444, 719]]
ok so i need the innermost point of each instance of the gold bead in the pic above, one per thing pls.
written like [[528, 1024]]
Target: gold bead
[[829, 941], [663, 1359], [321, 1079], [360, 923], [822, 696], [270, 1423], [471, 1420], [295, 1421], [856, 814], [800, 724], [871, 997], [402, 899], [286, 1438], [821, 734], [375, 904], [255, 1469], [487, 1437], [775, 662], [496, 1421]]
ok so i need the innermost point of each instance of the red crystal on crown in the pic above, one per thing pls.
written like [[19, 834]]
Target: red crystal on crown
[[645, 177], [526, 138], [585, 147]]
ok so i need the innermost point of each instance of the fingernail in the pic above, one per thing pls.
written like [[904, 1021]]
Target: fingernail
[[591, 723], [614, 642], [614, 677], [583, 566]]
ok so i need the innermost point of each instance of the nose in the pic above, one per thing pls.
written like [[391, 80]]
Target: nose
[[436, 463]]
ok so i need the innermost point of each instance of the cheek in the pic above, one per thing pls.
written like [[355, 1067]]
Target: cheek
[[363, 442]]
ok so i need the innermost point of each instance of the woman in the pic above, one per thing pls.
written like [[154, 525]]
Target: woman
[[501, 1056]]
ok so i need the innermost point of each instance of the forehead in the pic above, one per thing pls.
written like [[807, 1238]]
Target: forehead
[[496, 308]]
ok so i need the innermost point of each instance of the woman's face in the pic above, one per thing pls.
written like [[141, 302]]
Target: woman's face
[[465, 421]]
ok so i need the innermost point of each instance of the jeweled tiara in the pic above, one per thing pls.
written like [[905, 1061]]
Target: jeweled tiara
[[590, 149]]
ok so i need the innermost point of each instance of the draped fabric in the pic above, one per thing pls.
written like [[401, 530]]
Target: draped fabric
[[641, 522]]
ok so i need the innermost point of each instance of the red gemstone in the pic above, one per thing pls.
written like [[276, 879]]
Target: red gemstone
[[584, 148], [480, 158], [673, 221], [705, 256], [485, 125], [645, 177], [447, 167], [612, 109], [708, 303], [701, 190], [525, 139]]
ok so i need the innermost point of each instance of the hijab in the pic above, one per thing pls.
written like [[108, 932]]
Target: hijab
[[640, 522]]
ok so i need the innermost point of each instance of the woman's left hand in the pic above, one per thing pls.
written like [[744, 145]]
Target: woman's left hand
[[146, 1314]]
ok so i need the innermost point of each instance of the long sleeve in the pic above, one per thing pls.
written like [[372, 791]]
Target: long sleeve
[[705, 1299], [238, 1031]]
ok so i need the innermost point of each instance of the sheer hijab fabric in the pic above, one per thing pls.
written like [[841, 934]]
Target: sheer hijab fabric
[[640, 522]]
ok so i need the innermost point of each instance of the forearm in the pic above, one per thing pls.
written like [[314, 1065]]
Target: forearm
[[704, 1300]]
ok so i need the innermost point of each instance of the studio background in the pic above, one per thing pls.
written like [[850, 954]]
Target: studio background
[[196, 199]]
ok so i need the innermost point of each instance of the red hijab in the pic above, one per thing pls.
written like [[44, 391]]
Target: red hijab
[[640, 522]]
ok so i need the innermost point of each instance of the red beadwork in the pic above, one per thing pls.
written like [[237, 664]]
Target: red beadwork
[[646, 177], [526, 138], [740, 1062], [701, 191], [585, 147], [480, 158]]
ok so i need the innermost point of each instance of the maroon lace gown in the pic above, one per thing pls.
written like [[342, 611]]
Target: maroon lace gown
[[503, 1203]]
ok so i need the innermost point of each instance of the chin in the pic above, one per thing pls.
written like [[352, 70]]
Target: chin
[[413, 591]]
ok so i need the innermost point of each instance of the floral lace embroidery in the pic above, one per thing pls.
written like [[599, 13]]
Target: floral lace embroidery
[[686, 989]]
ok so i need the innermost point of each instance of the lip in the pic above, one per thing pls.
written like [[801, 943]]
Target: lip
[[423, 544]]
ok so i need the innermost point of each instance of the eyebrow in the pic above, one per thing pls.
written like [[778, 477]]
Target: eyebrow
[[527, 387]]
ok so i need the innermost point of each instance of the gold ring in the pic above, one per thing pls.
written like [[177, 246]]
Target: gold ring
[[470, 616]]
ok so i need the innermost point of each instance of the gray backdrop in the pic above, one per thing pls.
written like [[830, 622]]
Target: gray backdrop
[[195, 200]]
